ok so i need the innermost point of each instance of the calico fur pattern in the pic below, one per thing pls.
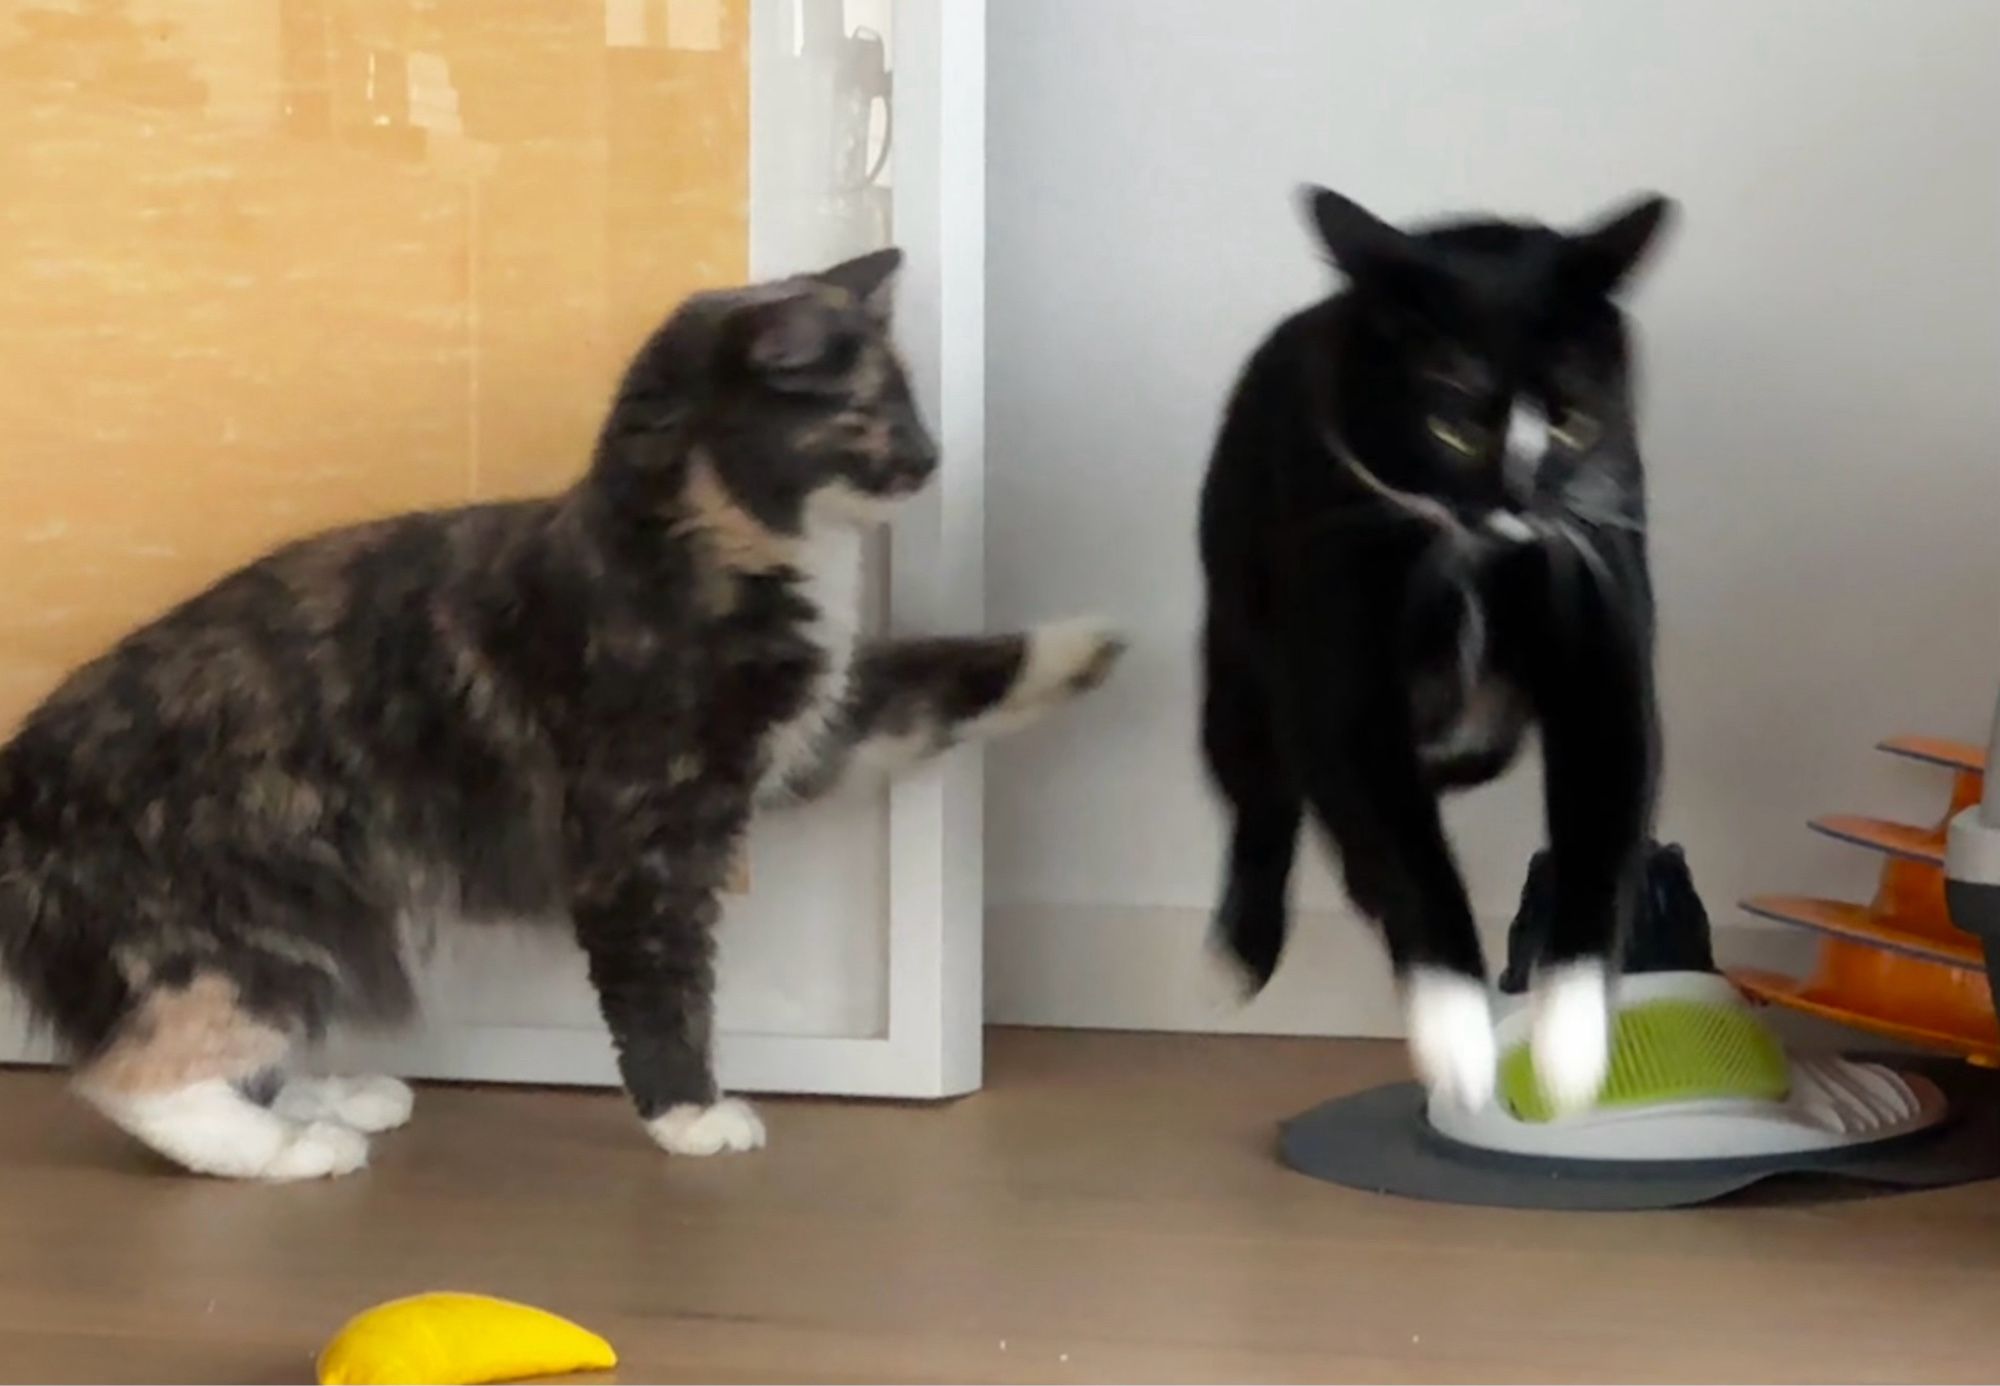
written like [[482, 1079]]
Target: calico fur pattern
[[231, 831]]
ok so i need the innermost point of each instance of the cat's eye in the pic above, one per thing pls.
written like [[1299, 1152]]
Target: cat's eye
[[1461, 440], [1577, 432]]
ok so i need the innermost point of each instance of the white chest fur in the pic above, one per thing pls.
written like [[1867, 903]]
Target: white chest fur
[[831, 562]]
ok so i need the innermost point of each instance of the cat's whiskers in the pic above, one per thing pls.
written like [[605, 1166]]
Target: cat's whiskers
[[1586, 549], [1559, 533], [1456, 536], [1603, 519], [1569, 529], [1426, 508]]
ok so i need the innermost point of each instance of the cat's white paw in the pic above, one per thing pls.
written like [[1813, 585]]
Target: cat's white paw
[[370, 1102], [374, 1102], [1449, 1021], [210, 1127], [1571, 1033], [691, 1129], [1062, 660], [318, 1150], [1065, 658]]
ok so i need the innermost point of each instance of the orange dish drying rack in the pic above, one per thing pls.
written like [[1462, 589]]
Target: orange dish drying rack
[[1897, 966]]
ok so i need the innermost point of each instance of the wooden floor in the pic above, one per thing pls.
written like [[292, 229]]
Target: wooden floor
[[1108, 1210]]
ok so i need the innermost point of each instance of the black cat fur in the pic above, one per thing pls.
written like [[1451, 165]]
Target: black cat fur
[[1422, 529], [229, 832]]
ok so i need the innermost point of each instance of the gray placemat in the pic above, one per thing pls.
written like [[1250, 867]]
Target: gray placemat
[[1378, 1140]]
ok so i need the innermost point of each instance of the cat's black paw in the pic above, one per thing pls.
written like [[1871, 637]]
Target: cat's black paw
[[1227, 980], [1246, 941]]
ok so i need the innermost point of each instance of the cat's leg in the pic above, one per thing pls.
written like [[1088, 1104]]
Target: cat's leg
[[1240, 745], [367, 1102], [645, 911], [174, 1075], [1591, 683], [1366, 785], [910, 699]]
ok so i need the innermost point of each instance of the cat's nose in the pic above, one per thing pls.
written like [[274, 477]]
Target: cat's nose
[[914, 466]]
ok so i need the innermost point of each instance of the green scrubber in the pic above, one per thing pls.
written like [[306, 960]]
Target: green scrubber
[[1667, 1051]]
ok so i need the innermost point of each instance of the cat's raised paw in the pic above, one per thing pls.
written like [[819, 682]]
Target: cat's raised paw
[[1450, 1026], [1571, 1033], [1065, 658], [1059, 661], [728, 1124]]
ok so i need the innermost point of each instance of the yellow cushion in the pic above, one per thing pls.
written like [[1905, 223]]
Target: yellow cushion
[[457, 1340]]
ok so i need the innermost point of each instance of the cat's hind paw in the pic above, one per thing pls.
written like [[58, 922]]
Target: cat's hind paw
[[1223, 983]]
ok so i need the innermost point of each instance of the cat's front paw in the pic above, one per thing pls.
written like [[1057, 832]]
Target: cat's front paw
[[317, 1150], [689, 1128], [1058, 661], [371, 1103], [1066, 658], [1571, 1033], [1450, 1026]]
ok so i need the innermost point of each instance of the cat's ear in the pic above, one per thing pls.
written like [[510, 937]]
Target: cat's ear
[[1355, 237], [871, 278], [1603, 257], [783, 335]]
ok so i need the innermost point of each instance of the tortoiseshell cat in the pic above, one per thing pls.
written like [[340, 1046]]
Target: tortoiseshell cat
[[214, 840], [1423, 527]]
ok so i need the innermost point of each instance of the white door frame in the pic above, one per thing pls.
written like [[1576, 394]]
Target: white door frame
[[931, 1048], [937, 563]]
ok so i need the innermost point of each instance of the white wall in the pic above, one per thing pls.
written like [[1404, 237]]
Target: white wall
[[1823, 351]]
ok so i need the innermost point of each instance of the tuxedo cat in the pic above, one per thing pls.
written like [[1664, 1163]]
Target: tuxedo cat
[[1423, 529], [228, 833]]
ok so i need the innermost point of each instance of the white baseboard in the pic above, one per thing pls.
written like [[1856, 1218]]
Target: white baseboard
[[1147, 968]]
